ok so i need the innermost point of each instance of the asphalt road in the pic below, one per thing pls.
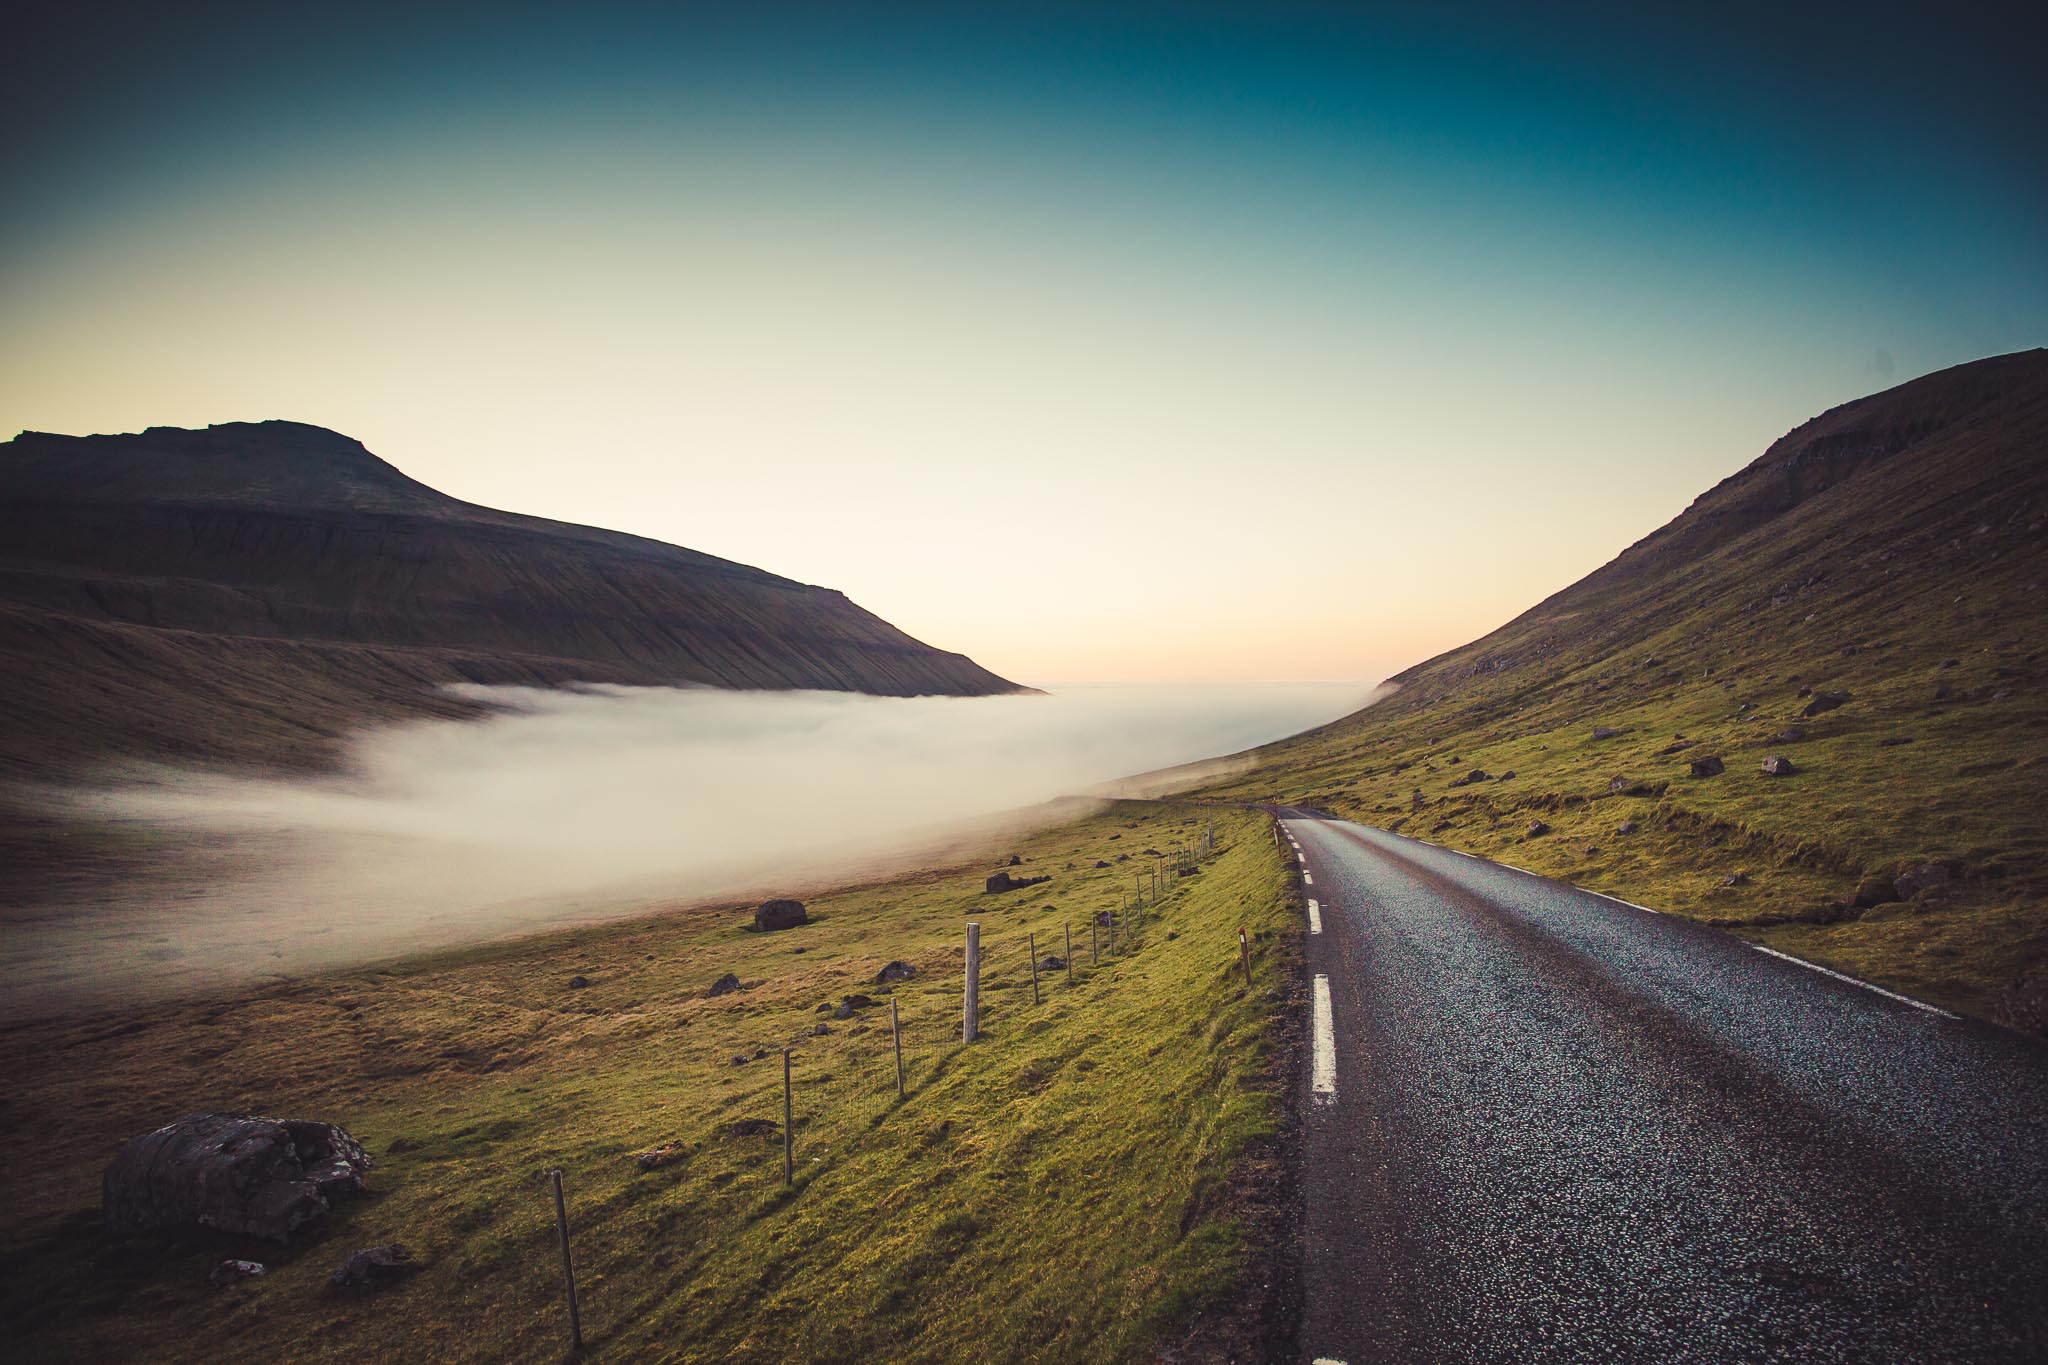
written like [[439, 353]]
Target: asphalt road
[[1543, 1124]]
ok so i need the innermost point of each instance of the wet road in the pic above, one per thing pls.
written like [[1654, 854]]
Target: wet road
[[1543, 1124]]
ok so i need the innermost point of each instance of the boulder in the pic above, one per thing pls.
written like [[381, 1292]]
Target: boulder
[[1625, 827], [232, 1173], [1603, 732], [577, 983], [1677, 746], [820, 1030], [1505, 776], [774, 915], [861, 1002], [1914, 880], [1708, 766], [1052, 962], [1736, 879], [1823, 701], [654, 1158], [1778, 766], [1790, 736], [725, 985], [1101, 863], [1619, 784], [1014, 861], [1003, 881], [1536, 829], [895, 971], [234, 1272], [373, 1268], [1476, 775]]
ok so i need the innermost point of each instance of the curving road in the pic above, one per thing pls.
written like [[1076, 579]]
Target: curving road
[[1544, 1124]]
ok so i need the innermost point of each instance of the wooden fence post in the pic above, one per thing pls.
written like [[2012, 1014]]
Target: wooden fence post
[[970, 1020], [788, 1130], [896, 1038], [568, 1266], [1244, 951], [1032, 940], [1070, 952]]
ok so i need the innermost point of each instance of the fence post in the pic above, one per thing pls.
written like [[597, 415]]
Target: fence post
[[1070, 952], [788, 1132], [896, 1038], [568, 1266], [970, 1019], [1112, 935], [1032, 939], [1244, 951], [1093, 956]]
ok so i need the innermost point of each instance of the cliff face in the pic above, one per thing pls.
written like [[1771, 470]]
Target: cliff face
[[249, 591]]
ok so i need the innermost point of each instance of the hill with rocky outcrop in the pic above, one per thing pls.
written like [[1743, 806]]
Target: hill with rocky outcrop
[[252, 591], [1810, 708]]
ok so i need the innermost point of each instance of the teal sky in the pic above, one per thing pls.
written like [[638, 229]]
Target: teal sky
[[1059, 336]]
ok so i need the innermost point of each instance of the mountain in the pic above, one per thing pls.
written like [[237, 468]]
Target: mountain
[[1865, 601], [251, 591]]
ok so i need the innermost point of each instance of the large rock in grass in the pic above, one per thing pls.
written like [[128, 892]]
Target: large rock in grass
[[779, 914], [1709, 766], [232, 1173]]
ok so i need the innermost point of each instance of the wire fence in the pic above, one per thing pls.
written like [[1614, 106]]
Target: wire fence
[[838, 1079]]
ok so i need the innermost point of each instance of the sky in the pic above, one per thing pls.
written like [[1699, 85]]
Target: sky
[[1099, 343]]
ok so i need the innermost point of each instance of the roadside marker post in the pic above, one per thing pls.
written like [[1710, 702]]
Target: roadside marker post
[[970, 1020], [568, 1266], [1244, 951]]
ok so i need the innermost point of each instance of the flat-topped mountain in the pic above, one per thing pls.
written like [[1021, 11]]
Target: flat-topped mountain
[[251, 590]]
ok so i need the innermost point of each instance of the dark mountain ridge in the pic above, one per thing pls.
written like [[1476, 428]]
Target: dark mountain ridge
[[250, 591]]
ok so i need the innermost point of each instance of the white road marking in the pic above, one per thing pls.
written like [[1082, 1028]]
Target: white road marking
[[1842, 976], [1617, 900], [1315, 918], [1323, 1079], [1306, 879], [1327, 1360]]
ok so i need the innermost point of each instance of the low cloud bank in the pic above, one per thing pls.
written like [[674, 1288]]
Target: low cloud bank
[[571, 805]]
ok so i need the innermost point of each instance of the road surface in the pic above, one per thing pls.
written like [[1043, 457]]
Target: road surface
[[1543, 1124]]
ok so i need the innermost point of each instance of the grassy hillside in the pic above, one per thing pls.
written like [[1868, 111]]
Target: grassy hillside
[[1890, 553], [1071, 1188]]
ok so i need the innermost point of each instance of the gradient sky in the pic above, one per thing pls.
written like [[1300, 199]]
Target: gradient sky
[[1280, 342]]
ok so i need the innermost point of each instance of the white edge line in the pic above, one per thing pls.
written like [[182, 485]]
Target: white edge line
[[1306, 879], [1853, 981], [1323, 1078], [1315, 918]]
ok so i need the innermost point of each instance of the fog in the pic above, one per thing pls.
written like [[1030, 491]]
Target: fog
[[566, 806]]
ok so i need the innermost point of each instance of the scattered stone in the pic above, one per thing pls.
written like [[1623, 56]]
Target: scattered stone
[[1116, 836], [1777, 765], [232, 1173], [820, 1030], [1806, 691], [759, 1053], [898, 970], [1943, 692], [1677, 746], [667, 1154], [1172, 934], [1824, 701], [845, 1010], [373, 1267], [1505, 776], [1790, 736], [775, 915], [1625, 827], [1921, 878], [1014, 861], [1123, 857], [739, 1059], [1536, 829], [1052, 962], [753, 1128], [1603, 732], [1591, 851], [1003, 881], [577, 983], [1950, 663], [1736, 879], [1099, 862], [1708, 766], [234, 1272], [1894, 741], [725, 985], [1619, 784], [1104, 917]]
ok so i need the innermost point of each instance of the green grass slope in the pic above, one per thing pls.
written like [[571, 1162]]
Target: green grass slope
[[1891, 550], [1075, 1187]]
